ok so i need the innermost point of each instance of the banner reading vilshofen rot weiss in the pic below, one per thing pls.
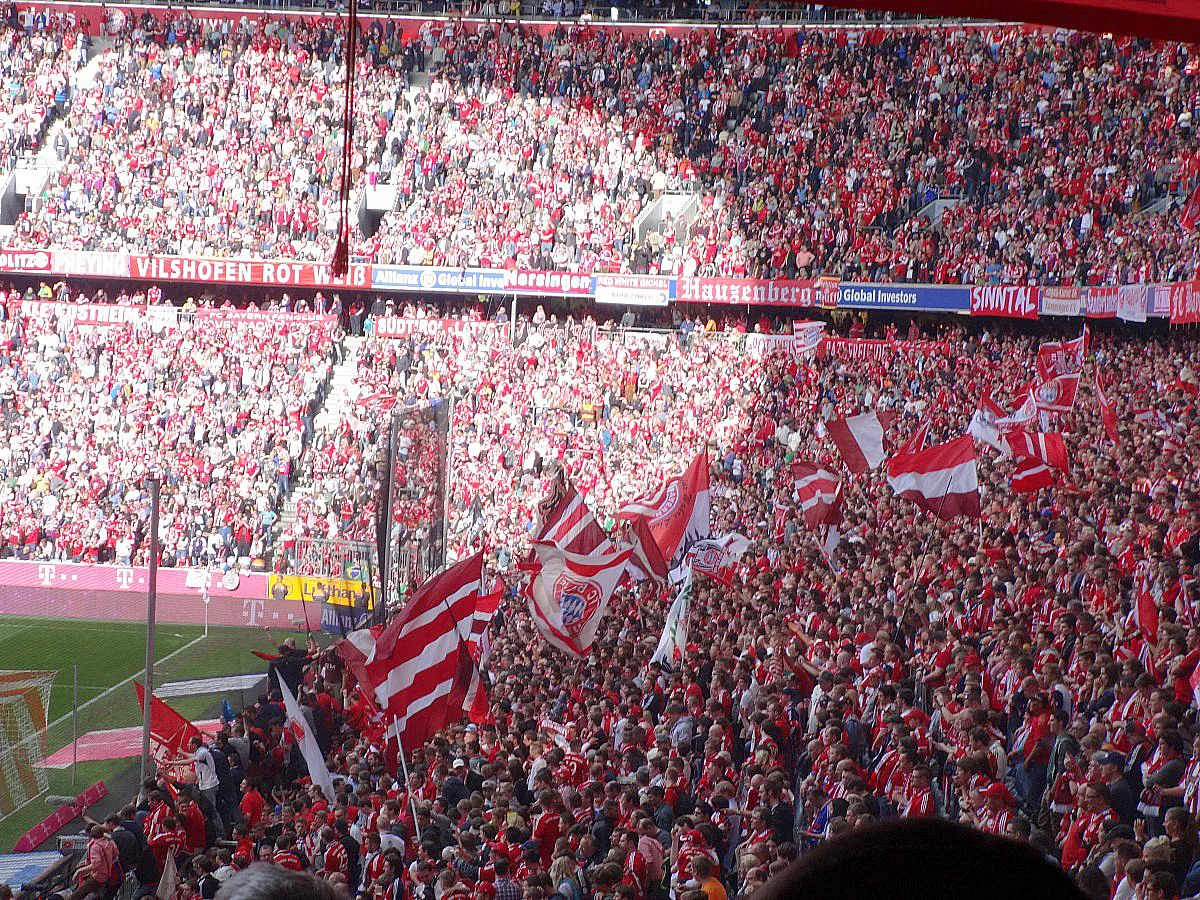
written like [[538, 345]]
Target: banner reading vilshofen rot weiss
[[288, 273]]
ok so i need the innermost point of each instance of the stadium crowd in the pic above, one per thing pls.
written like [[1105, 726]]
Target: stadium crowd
[[218, 404], [539, 149], [37, 69], [991, 673]]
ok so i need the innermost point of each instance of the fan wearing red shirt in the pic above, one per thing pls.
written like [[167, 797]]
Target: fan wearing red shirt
[[252, 804], [286, 856], [918, 798], [191, 819], [548, 825], [170, 841]]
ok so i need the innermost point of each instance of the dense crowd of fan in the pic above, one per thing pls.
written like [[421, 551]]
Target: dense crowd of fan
[[540, 148], [219, 408], [989, 673]]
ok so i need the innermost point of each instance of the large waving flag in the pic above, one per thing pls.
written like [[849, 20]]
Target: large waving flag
[[1056, 358], [941, 479], [859, 439], [1031, 475], [300, 731], [567, 521], [1045, 447], [418, 670], [678, 514], [569, 593], [819, 493]]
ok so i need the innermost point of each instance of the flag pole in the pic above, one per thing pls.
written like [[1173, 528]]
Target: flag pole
[[408, 786], [151, 605], [938, 514]]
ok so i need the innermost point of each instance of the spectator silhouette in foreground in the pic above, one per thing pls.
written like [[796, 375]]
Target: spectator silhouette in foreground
[[263, 881], [923, 860]]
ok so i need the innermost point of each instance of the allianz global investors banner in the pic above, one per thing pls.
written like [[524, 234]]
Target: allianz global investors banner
[[917, 297]]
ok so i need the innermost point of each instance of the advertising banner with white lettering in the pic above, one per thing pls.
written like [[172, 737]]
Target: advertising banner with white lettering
[[635, 290], [747, 291], [536, 281], [918, 298], [1061, 301], [1131, 302], [1100, 302], [429, 278], [1012, 301], [1185, 303], [246, 271], [25, 260], [860, 349], [402, 327], [91, 263]]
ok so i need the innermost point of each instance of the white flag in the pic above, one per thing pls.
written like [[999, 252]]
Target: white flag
[[313, 758], [673, 643], [984, 429]]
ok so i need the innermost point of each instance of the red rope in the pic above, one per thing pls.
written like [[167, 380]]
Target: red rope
[[341, 251]]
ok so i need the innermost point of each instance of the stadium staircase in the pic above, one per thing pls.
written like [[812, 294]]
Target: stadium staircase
[[340, 395], [33, 172]]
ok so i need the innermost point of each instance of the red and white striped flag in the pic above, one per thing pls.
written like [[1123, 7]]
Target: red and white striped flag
[[569, 593], [941, 479], [1045, 447], [567, 521], [418, 670], [859, 439], [678, 514], [1031, 475], [819, 493]]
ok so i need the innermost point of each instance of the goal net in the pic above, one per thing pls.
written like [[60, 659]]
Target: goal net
[[24, 712]]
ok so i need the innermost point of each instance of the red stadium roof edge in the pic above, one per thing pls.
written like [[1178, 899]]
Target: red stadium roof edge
[[1177, 20]]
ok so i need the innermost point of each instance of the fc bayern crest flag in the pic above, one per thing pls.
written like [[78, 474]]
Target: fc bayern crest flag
[[569, 594]]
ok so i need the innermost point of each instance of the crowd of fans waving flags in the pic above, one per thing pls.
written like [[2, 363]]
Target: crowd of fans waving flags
[[423, 670]]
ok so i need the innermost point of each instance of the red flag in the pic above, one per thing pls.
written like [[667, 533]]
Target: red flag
[[1191, 210], [1056, 358], [859, 439], [1107, 414], [819, 493], [169, 731], [647, 556], [942, 479], [1031, 475], [1039, 446], [1145, 612], [1056, 394], [419, 668], [678, 513]]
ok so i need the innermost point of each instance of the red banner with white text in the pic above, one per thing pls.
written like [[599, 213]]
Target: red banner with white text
[[1185, 303]]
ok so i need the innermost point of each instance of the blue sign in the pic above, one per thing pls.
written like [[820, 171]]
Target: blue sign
[[917, 297], [426, 278], [343, 619]]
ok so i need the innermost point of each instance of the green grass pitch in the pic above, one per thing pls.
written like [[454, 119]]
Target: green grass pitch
[[107, 654]]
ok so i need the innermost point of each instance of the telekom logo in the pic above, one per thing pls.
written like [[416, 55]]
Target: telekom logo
[[252, 609], [124, 578], [46, 575]]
